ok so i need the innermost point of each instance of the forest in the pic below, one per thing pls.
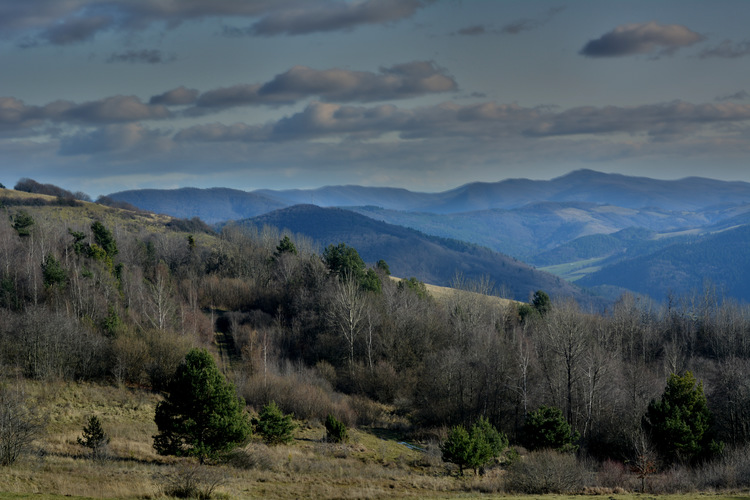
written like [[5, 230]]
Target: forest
[[100, 294]]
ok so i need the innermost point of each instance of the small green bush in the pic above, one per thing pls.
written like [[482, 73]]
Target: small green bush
[[336, 431]]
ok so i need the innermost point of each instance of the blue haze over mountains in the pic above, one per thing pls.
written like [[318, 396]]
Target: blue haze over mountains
[[608, 232]]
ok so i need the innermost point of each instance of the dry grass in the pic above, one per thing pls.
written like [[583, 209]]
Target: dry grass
[[444, 292], [373, 465]]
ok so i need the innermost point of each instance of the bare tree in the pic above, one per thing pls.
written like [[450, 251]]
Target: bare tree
[[348, 311], [19, 425]]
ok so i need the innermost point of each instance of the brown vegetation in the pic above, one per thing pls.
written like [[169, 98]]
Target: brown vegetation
[[113, 325]]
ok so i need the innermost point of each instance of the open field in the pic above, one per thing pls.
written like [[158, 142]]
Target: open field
[[374, 464]]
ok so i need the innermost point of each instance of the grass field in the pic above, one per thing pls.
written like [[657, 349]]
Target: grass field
[[374, 464]]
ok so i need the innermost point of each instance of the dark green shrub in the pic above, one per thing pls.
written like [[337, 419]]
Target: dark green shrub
[[274, 426], [546, 428], [336, 431]]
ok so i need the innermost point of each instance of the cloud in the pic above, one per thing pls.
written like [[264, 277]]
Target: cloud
[[528, 24], [478, 122], [110, 110], [737, 96], [474, 30], [655, 119], [400, 81], [334, 16], [15, 114], [644, 38], [728, 50], [148, 56], [63, 22], [113, 138], [176, 97], [512, 28]]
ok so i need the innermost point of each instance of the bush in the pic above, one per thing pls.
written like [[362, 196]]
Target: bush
[[336, 430], [191, 481], [546, 471], [304, 393]]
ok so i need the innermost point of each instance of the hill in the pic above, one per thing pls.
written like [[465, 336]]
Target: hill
[[210, 205], [720, 259], [411, 253], [587, 186]]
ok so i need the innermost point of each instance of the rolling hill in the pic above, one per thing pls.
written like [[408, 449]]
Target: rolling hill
[[411, 253], [720, 259], [210, 205]]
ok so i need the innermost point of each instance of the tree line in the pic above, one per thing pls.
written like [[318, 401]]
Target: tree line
[[321, 333]]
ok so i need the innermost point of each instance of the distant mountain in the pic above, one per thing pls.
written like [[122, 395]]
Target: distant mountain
[[530, 230], [689, 194], [692, 193], [411, 253], [211, 205], [720, 259]]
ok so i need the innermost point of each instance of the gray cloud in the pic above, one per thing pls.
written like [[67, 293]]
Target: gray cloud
[[148, 56], [62, 22], [655, 119], [474, 30], [334, 16], [644, 38], [114, 138], [737, 96], [14, 114], [485, 121], [110, 110], [514, 27], [528, 24], [176, 97], [396, 82], [728, 50]]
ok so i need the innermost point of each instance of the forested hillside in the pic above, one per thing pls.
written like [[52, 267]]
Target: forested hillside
[[91, 293], [408, 252]]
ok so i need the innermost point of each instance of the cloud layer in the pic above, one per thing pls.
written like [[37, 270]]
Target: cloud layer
[[65, 22]]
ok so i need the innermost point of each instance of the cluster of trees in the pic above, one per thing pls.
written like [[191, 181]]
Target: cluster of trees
[[123, 300]]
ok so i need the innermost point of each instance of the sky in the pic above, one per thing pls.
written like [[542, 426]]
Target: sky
[[102, 96]]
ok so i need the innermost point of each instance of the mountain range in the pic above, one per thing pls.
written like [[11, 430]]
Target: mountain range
[[598, 230]]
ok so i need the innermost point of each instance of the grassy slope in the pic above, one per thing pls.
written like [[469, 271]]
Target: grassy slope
[[373, 465]]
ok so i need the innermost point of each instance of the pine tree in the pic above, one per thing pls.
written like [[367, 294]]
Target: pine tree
[[274, 426], [94, 438], [547, 428], [202, 415], [336, 430], [679, 422]]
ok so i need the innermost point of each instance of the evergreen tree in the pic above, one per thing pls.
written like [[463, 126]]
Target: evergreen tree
[[104, 239], [22, 223], [202, 415], [456, 448], [286, 245], [547, 428], [473, 449], [679, 422], [94, 438], [274, 426], [52, 271], [335, 430]]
